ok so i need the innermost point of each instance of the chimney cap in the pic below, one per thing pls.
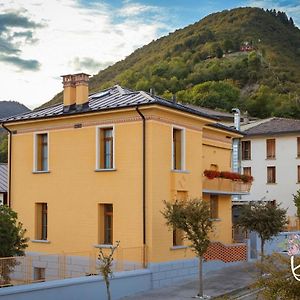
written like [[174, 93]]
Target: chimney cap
[[68, 75]]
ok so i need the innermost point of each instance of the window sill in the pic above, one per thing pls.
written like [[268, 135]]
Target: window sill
[[271, 158], [40, 172], [246, 159], [178, 247], [105, 170], [107, 246], [271, 183], [41, 241], [180, 171]]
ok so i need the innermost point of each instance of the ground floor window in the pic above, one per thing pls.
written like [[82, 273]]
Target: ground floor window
[[106, 224]]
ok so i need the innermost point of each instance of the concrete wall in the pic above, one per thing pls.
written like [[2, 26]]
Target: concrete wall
[[91, 288], [286, 163], [122, 284], [278, 244]]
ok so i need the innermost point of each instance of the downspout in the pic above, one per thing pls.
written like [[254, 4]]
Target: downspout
[[9, 164], [144, 183]]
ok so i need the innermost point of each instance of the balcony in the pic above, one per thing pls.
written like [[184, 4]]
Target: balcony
[[215, 183]]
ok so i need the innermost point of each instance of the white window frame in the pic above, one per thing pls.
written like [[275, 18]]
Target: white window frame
[[183, 148], [35, 170], [98, 128]]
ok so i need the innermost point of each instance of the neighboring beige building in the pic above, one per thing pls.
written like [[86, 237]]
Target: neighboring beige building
[[271, 154]]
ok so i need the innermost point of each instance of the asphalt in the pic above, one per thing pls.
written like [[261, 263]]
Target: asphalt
[[221, 284]]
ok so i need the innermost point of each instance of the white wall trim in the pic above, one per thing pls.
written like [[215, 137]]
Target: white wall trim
[[183, 148], [35, 134], [97, 166]]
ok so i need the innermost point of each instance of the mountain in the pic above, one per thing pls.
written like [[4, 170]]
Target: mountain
[[245, 57], [10, 108]]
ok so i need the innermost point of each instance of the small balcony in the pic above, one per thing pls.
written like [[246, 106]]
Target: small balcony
[[218, 184]]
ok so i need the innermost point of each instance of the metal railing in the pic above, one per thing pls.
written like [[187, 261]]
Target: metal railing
[[38, 268]]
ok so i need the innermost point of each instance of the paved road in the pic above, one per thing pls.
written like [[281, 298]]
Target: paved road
[[216, 283]]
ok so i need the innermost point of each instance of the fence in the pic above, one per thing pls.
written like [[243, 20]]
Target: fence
[[38, 268]]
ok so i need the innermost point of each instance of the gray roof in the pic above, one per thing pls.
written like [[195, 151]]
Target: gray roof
[[274, 126], [112, 98], [3, 178]]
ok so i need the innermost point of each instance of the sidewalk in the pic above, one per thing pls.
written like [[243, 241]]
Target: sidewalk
[[216, 283]]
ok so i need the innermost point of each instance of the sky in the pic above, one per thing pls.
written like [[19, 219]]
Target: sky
[[42, 40]]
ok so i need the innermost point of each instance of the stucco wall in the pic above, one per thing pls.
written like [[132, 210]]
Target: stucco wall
[[286, 163]]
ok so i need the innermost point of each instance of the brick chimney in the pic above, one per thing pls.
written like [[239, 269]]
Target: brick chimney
[[69, 92], [76, 91]]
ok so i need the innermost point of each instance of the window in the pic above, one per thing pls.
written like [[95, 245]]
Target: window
[[41, 221], [298, 177], [214, 206], [298, 146], [246, 150], [39, 274], [271, 175], [270, 143], [178, 149], [178, 234], [106, 224], [247, 171], [41, 152], [105, 148]]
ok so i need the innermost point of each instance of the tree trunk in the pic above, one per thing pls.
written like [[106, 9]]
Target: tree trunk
[[200, 293], [262, 244], [107, 289]]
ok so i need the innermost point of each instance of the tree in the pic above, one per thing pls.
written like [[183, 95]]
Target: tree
[[193, 218], [12, 241], [3, 147], [297, 202], [265, 218], [106, 264]]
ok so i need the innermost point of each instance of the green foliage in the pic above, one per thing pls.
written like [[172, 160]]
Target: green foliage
[[212, 94], [12, 240], [3, 147], [193, 218], [280, 282], [106, 264], [267, 219], [194, 55], [297, 202]]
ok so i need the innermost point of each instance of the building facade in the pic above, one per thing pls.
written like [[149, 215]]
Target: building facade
[[97, 168], [271, 154]]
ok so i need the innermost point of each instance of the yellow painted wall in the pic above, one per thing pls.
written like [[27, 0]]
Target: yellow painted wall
[[73, 189]]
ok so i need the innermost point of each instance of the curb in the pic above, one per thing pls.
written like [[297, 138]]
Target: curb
[[233, 292]]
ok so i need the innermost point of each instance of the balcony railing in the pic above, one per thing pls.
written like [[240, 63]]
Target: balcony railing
[[225, 186]]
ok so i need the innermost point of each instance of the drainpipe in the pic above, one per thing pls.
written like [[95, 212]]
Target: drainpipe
[[9, 164], [236, 162], [144, 183]]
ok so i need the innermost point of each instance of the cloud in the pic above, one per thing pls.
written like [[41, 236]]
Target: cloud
[[16, 30], [88, 64], [66, 36], [23, 64]]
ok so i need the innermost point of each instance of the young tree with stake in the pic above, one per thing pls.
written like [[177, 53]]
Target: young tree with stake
[[106, 264], [193, 218], [265, 218]]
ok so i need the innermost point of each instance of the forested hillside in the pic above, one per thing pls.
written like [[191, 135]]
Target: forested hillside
[[7, 109], [245, 57], [10, 108]]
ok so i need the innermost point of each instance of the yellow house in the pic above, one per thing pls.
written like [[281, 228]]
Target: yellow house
[[96, 169]]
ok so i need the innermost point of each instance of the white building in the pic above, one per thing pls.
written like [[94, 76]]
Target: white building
[[271, 154]]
